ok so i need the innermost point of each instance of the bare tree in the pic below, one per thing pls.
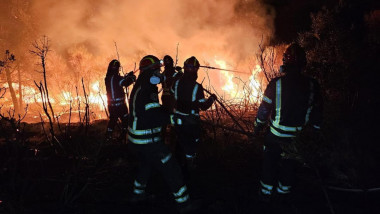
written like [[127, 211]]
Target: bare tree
[[267, 58], [41, 49], [6, 65]]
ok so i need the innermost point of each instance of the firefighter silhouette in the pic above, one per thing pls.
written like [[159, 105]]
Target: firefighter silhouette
[[289, 103], [190, 99], [171, 74], [116, 98], [145, 124]]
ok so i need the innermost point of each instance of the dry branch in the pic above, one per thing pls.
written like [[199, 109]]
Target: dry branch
[[41, 49]]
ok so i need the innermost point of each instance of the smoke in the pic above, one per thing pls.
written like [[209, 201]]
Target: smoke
[[225, 29]]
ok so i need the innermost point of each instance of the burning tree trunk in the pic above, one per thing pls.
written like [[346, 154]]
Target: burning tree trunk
[[10, 58], [11, 90]]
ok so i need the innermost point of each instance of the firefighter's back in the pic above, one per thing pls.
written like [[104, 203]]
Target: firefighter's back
[[296, 94]]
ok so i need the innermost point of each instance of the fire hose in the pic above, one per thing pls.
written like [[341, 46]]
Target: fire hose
[[228, 112]]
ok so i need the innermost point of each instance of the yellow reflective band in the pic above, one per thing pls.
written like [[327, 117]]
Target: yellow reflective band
[[144, 131], [166, 159], [138, 191], [180, 191], [266, 99], [176, 90], [172, 119], [134, 124], [151, 105], [282, 191], [282, 187], [143, 141], [266, 192], [266, 186], [260, 121], [137, 184], [134, 101], [195, 92], [278, 101], [121, 81], [287, 128], [280, 134], [182, 199], [151, 59]]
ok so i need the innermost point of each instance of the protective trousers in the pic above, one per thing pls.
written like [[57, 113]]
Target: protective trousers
[[117, 112], [157, 156], [277, 172], [188, 136]]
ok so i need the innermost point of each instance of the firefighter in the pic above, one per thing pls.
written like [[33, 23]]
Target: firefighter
[[190, 98], [144, 134], [172, 74], [289, 103], [116, 98]]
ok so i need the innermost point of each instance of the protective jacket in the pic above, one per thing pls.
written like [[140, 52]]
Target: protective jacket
[[189, 96], [167, 98], [147, 115], [114, 86], [292, 101], [116, 102], [190, 99], [145, 120]]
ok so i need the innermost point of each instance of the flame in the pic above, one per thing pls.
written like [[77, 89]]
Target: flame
[[250, 92]]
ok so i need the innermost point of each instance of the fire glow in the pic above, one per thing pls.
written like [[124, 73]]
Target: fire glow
[[83, 35]]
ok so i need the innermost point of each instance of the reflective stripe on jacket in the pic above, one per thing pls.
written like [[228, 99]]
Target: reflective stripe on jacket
[[292, 101]]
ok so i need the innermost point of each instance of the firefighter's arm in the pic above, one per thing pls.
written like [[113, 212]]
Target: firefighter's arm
[[265, 108], [178, 74], [316, 114], [202, 102], [128, 79]]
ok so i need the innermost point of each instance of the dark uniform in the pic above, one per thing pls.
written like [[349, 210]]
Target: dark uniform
[[291, 102], [144, 133], [171, 75], [190, 98], [116, 97]]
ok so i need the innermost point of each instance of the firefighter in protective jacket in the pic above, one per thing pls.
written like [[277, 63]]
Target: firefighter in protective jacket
[[290, 102], [144, 134], [116, 97], [190, 98], [172, 74]]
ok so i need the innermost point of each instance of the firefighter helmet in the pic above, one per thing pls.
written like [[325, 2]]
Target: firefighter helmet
[[294, 55], [113, 66], [168, 60], [191, 65], [149, 62]]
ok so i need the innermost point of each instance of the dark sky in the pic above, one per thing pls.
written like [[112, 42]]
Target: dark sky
[[293, 16]]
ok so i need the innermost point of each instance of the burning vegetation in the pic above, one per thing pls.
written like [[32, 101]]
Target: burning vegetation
[[53, 103]]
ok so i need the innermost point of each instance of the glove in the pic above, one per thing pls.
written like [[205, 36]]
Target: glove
[[214, 97], [178, 68], [131, 75], [257, 129]]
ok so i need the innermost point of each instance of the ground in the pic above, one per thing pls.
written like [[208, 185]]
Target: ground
[[36, 179]]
